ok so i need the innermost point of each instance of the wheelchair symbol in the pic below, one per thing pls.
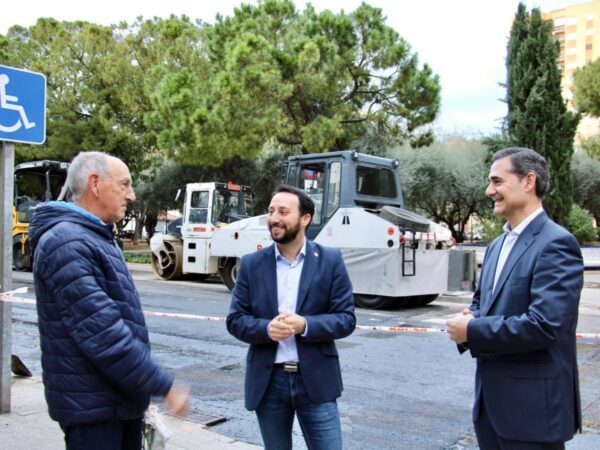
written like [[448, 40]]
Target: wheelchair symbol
[[10, 102]]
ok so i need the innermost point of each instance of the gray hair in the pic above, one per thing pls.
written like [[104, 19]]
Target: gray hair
[[82, 166], [525, 160]]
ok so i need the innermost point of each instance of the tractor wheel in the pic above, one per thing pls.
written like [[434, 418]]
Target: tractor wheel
[[229, 272], [412, 301], [21, 259], [427, 299], [169, 264], [381, 302], [373, 301]]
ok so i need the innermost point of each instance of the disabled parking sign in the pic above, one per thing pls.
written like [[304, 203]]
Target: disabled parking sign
[[22, 106]]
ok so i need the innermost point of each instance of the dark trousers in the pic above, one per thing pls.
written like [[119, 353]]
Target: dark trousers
[[490, 440], [112, 435]]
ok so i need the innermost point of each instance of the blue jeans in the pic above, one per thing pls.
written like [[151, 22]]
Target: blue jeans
[[286, 396], [111, 435]]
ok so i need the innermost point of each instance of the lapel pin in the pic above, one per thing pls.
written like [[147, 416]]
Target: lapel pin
[[316, 254]]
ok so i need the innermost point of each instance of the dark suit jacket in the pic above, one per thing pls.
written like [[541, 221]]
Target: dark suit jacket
[[325, 300], [523, 335]]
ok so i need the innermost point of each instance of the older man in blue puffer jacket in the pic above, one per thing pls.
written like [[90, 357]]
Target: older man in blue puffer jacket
[[97, 369]]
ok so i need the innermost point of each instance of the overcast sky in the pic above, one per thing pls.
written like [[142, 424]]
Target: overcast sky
[[464, 41]]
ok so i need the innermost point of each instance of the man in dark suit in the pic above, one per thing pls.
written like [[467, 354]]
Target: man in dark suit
[[521, 324], [290, 301]]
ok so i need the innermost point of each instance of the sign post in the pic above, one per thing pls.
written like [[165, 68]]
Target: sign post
[[7, 165], [22, 119]]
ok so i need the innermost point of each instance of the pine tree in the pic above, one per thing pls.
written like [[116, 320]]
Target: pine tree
[[537, 114]]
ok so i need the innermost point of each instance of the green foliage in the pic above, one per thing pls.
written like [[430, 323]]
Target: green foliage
[[591, 145], [492, 228], [265, 173], [139, 258], [157, 191], [86, 82], [446, 181], [181, 101], [310, 81], [99, 82], [580, 222], [3, 48], [586, 92], [586, 192], [493, 144], [537, 114]]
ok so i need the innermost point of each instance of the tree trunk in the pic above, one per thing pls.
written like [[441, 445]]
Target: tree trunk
[[139, 225]]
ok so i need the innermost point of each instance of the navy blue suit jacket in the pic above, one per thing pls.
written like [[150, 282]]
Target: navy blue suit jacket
[[325, 300], [523, 335]]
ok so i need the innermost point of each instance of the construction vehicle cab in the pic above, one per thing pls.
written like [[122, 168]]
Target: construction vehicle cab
[[344, 179], [207, 207], [35, 182]]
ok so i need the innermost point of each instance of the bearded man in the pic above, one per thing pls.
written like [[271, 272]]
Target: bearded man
[[290, 302]]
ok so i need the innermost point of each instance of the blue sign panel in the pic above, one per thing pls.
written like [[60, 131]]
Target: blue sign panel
[[22, 106]]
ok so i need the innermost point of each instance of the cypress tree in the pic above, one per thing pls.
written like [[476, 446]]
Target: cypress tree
[[537, 114]]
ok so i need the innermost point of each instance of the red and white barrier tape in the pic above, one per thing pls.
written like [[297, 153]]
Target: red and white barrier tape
[[183, 316], [8, 297], [400, 329]]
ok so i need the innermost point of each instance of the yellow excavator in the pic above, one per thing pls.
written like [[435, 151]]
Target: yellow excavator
[[36, 182]]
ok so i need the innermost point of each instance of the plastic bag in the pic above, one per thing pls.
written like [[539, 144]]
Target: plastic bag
[[156, 433]]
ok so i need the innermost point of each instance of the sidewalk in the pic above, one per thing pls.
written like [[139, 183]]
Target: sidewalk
[[28, 426]]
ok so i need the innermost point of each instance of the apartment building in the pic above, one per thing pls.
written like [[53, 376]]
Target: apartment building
[[577, 28]]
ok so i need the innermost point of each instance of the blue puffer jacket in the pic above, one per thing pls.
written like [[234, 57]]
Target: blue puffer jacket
[[95, 349]]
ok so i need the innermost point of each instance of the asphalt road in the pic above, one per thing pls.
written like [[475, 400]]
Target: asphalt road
[[402, 391]]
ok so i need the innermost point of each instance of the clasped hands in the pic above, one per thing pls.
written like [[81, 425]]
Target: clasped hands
[[285, 325], [457, 326]]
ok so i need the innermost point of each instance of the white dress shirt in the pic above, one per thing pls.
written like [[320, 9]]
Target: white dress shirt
[[288, 282], [510, 240]]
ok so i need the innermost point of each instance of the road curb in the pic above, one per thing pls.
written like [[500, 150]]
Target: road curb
[[29, 427]]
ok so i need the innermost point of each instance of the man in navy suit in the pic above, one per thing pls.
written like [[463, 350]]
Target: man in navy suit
[[521, 324], [290, 301]]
